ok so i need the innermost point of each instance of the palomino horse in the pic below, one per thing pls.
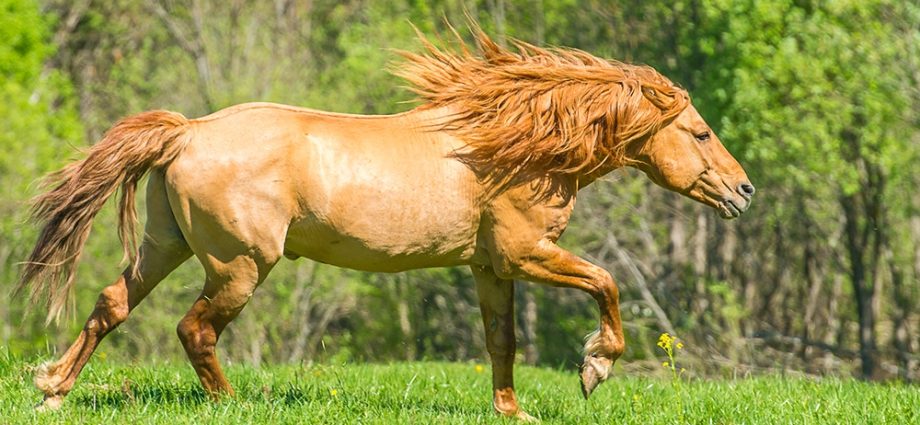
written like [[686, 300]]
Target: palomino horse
[[484, 173]]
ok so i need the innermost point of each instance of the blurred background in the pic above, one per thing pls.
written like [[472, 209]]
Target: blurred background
[[818, 100]]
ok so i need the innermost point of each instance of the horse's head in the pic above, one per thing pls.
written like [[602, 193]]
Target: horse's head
[[687, 157]]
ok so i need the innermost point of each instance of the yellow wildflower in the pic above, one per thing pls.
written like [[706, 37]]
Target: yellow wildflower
[[478, 368], [333, 392], [665, 341]]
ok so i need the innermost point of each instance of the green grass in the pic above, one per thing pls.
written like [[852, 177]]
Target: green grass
[[428, 393]]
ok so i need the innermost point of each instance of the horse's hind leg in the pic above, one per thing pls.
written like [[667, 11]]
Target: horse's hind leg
[[162, 250], [227, 290]]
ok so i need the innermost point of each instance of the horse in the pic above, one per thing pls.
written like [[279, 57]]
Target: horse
[[484, 173]]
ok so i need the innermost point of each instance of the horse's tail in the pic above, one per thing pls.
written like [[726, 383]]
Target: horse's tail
[[126, 152]]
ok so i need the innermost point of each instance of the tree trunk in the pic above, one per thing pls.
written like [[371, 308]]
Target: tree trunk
[[405, 325], [901, 320], [677, 234], [832, 337], [815, 282], [528, 322], [862, 293], [700, 260]]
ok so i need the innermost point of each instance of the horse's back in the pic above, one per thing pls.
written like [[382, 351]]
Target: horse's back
[[372, 193]]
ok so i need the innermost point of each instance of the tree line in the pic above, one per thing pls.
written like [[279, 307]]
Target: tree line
[[818, 100]]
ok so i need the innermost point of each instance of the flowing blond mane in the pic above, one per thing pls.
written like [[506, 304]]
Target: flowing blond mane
[[547, 111]]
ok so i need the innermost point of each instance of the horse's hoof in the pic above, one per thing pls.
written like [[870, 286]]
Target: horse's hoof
[[593, 371], [50, 403], [512, 410], [518, 415], [523, 416]]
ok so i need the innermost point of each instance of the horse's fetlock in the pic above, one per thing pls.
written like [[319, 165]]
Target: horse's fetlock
[[47, 380], [599, 344], [617, 348], [505, 402]]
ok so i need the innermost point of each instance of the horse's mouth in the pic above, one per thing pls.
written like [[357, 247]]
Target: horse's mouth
[[728, 205], [730, 208]]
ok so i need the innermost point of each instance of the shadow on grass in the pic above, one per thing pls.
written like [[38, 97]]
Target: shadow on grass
[[293, 396], [285, 395], [395, 402], [140, 394]]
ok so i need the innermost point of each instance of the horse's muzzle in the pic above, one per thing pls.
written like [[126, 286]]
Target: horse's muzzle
[[734, 206]]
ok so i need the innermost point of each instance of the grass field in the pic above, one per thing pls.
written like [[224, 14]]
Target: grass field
[[429, 393]]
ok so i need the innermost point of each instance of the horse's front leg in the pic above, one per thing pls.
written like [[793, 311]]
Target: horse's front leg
[[496, 300], [549, 264]]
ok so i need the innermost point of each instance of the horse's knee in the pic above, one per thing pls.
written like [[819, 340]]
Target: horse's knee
[[605, 288]]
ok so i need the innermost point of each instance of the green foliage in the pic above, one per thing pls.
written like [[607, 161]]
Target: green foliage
[[38, 120], [36, 104], [803, 79], [358, 81]]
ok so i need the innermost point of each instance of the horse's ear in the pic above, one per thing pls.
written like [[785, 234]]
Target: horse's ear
[[661, 100]]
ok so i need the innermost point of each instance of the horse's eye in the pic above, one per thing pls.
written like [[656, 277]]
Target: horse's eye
[[702, 137]]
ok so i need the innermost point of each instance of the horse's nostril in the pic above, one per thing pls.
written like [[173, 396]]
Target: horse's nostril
[[746, 189]]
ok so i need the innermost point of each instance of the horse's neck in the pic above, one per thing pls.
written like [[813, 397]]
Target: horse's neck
[[595, 173], [433, 117]]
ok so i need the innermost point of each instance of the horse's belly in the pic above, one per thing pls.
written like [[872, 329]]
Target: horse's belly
[[382, 198], [387, 249]]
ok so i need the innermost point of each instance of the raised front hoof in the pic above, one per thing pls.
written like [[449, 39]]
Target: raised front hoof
[[50, 403], [594, 371]]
